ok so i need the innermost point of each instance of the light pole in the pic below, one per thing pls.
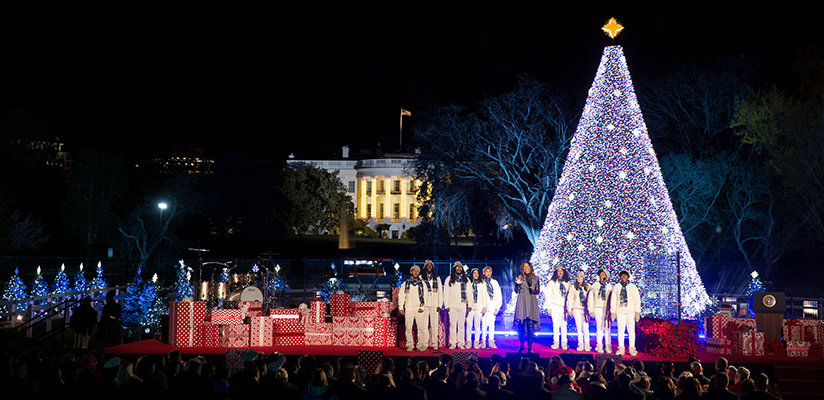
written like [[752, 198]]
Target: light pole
[[162, 206]]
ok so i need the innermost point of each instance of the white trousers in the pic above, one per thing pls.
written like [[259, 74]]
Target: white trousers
[[603, 327], [420, 319], [457, 325], [473, 322], [433, 318], [582, 327], [559, 324], [488, 327], [626, 322]]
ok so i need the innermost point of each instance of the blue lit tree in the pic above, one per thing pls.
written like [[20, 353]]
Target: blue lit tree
[[277, 282], [183, 285], [755, 285], [98, 282], [398, 278], [15, 290], [61, 282], [611, 208], [40, 288], [132, 301], [152, 305], [331, 286], [80, 283]]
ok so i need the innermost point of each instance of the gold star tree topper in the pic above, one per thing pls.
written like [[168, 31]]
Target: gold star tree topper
[[612, 28]]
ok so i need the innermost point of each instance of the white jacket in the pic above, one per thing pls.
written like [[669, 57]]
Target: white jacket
[[633, 300], [452, 294], [412, 299], [574, 299], [483, 297], [553, 293], [497, 299], [594, 300], [434, 298]]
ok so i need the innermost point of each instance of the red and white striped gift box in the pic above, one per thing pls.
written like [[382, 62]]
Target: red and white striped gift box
[[186, 319], [224, 316], [317, 311], [285, 314]]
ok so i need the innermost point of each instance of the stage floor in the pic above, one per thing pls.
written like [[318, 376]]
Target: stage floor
[[506, 344]]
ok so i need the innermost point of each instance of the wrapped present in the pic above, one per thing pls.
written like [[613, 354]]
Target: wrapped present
[[288, 333], [316, 312], [353, 331], [318, 334], [395, 294], [339, 304], [262, 331], [717, 345], [384, 307], [465, 357], [794, 333], [798, 349], [285, 314], [751, 343], [370, 360], [803, 330], [186, 320], [364, 309], [250, 308], [234, 335], [211, 335], [385, 331], [234, 360], [223, 316]]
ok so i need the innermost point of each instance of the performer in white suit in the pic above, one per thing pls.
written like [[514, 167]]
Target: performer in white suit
[[434, 301], [556, 295], [625, 306], [476, 307], [493, 290], [455, 297], [412, 305], [576, 304], [598, 306]]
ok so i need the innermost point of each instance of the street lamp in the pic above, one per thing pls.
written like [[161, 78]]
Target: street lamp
[[162, 206]]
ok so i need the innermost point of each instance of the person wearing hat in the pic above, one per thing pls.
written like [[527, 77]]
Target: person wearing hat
[[455, 298], [625, 307], [598, 306], [556, 296], [576, 303], [476, 307], [412, 304], [493, 291], [527, 315], [433, 300]]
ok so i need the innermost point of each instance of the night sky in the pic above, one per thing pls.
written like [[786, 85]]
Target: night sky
[[272, 78]]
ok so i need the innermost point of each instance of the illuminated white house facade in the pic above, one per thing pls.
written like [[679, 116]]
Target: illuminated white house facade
[[382, 189]]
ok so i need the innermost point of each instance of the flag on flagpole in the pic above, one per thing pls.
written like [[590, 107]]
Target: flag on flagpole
[[405, 113]]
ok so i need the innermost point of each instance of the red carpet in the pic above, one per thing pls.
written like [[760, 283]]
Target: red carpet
[[505, 345]]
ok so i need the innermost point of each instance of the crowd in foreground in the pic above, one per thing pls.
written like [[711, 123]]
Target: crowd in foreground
[[270, 376]]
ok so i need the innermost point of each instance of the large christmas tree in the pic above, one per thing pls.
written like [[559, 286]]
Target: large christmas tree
[[611, 209]]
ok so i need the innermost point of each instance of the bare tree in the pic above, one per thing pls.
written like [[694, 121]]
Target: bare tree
[[143, 234], [512, 150]]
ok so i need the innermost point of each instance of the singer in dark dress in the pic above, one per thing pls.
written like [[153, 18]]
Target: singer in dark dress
[[527, 315]]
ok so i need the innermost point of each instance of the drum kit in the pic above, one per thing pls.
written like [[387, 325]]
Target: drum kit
[[253, 285]]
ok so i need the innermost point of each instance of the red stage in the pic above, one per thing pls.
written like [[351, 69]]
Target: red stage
[[505, 345]]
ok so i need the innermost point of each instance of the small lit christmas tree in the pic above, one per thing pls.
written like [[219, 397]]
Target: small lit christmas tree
[[331, 286], [132, 301], [98, 282], [755, 285], [224, 275], [398, 279], [277, 282], [40, 288], [80, 283], [15, 290], [152, 305], [61, 282], [183, 286]]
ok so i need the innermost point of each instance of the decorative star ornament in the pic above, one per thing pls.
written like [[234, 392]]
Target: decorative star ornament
[[612, 28]]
